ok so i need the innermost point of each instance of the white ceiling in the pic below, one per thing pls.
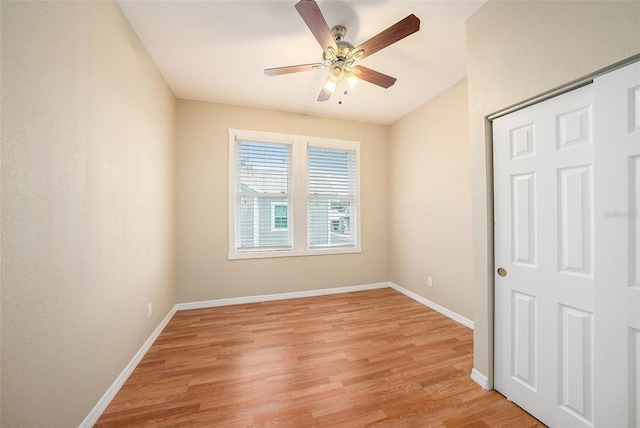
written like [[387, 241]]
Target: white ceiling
[[217, 50]]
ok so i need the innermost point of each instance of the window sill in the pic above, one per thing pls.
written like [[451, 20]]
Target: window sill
[[293, 253]]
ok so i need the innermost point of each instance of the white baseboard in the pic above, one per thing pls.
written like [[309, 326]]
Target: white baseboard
[[102, 404], [436, 307], [279, 296], [481, 380]]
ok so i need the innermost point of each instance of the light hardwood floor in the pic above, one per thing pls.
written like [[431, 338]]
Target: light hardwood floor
[[370, 358]]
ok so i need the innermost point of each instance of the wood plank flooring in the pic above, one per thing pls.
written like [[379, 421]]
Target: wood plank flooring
[[370, 358]]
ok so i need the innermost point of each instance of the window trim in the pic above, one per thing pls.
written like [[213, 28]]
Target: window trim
[[298, 202]]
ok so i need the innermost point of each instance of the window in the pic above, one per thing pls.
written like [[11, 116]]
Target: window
[[332, 192], [263, 172], [292, 195]]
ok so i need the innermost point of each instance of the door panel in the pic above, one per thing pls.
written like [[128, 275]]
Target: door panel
[[634, 204], [575, 223], [576, 365], [544, 220], [523, 219], [524, 335]]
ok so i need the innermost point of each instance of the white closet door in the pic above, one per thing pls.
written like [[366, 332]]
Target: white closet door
[[544, 246], [617, 263]]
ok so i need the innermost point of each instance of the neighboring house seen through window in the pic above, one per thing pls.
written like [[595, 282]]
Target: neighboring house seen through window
[[279, 216], [292, 195]]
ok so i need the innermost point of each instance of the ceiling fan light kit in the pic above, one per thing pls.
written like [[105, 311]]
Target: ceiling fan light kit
[[340, 56]]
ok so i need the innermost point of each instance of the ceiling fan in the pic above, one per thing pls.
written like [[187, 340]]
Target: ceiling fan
[[340, 56]]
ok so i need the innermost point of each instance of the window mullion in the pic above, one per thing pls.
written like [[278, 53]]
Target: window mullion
[[299, 193]]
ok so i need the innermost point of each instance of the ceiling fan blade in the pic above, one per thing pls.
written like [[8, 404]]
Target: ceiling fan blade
[[292, 69], [325, 94], [397, 31], [375, 77], [312, 16]]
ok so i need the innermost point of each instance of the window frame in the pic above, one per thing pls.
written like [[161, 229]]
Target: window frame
[[298, 203]]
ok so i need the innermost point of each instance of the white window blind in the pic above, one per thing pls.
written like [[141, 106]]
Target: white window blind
[[263, 182], [332, 189]]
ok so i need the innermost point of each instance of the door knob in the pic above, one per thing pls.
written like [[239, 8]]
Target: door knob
[[502, 272]]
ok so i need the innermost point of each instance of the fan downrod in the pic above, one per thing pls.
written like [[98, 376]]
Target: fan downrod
[[338, 32]]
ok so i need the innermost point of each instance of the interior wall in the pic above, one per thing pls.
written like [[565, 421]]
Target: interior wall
[[430, 205], [204, 272], [87, 206], [516, 51]]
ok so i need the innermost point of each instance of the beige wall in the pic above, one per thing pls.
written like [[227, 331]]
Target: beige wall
[[87, 206], [202, 209], [515, 51], [430, 202]]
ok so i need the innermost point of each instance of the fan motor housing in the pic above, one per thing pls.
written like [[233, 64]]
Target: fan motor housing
[[339, 32]]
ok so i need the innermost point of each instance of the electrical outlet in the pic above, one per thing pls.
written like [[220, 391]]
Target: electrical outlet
[[430, 281], [149, 310]]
